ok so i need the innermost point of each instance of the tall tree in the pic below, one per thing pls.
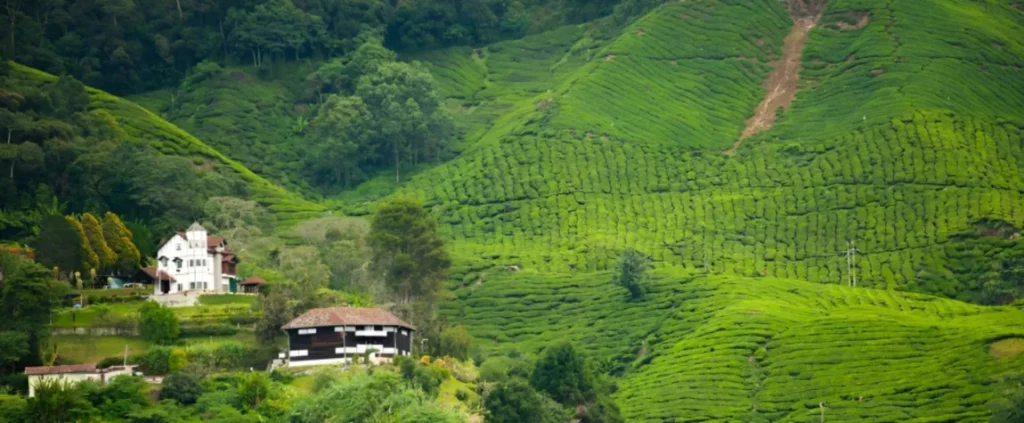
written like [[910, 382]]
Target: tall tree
[[632, 272], [407, 249], [59, 244], [404, 102], [94, 233], [342, 127], [276, 313], [90, 260], [28, 296], [120, 240]]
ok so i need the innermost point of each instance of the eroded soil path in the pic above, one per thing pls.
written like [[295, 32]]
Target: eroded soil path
[[781, 85]]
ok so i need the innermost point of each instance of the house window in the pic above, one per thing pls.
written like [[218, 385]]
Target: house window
[[192, 285], [404, 333], [177, 262], [378, 328], [179, 246], [298, 353], [309, 331]]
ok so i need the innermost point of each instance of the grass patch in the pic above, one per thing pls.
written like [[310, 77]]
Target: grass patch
[[88, 349], [216, 300], [1006, 348]]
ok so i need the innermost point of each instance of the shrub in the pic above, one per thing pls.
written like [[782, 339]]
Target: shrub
[[207, 330], [455, 342], [155, 361], [158, 324], [562, 372], [243, 319], [184, 388], [461, 395]]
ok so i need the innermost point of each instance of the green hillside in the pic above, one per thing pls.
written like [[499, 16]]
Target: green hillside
[[732, 348], [141, 125], [897, 160]]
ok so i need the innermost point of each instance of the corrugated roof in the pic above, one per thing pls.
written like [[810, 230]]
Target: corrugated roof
[[337, 316], [56, 370]]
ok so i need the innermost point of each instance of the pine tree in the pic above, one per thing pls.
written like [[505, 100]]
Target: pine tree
[[94, 234], [89, 258], [120, 240]]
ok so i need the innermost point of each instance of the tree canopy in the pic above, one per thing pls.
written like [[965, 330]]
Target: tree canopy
[[408, 250]]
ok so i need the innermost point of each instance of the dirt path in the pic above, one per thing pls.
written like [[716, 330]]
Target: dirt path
[[781, 85]]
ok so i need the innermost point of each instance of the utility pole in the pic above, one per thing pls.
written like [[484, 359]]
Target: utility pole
[[853, 256], [851, 263]]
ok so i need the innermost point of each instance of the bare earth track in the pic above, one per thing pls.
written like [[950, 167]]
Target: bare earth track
[[781, 85]]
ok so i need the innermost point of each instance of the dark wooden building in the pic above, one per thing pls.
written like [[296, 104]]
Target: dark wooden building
[[335, 335]]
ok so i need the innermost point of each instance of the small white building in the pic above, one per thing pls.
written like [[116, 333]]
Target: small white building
[[194, 261], [74, 373]]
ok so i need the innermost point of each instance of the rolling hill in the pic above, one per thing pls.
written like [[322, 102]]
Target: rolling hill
[[142, 125], [597, 143], [727, 348]]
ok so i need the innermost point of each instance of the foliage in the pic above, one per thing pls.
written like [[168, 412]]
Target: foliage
[[122, 242], [28, 295], [58, 401], [515, 400], [455, 342], [368, 397], [562, 372], [94, 234], [158, 324], [59, 244], [276, 313], [1011, 408], [90, 260], [407, 248], [632, 272]]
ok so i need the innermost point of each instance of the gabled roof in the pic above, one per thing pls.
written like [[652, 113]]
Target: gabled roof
[[56, 370], [214, 241], [195, 227], [157, 275], [337, 316], [253, 280]]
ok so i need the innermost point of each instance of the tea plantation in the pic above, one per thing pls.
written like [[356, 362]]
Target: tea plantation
[[872, 150], [733, 348]]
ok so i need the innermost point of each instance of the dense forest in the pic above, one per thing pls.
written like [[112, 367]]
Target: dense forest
[[128, 46]]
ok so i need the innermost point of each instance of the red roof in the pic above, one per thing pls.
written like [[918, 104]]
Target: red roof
[[253, 280], [337, 316], [161, 275], [214, 241], [56, 370]]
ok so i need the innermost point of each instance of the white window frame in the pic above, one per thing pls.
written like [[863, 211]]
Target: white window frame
[[307, 331], [298, 353]]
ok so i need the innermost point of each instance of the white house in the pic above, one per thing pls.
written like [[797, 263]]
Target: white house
[[194, 261], [73, 374]]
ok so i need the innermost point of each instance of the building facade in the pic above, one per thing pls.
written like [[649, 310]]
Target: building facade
[[335, 335], [194, 261]]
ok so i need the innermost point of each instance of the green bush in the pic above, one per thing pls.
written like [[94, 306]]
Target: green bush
[[221, 329]]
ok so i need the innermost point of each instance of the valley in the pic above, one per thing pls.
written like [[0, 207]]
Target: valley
[[739, 147]]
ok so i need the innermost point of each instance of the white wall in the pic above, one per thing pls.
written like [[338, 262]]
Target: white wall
[[66, 377], [197, 265]]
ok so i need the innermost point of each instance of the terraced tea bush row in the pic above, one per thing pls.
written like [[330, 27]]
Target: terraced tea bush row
[[964, 58], [731, 348], [785, 210]]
